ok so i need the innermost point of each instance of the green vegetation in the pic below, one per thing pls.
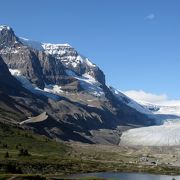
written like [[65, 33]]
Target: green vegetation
[[25, 155], [18, 142], [9, 114], [22, 151]]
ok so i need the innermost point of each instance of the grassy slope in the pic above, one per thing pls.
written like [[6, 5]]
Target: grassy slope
[[17, 138], [46, 158], [42, 150], [52, 159]]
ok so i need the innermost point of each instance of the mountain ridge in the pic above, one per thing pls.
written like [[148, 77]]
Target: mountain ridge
[[71, 90]]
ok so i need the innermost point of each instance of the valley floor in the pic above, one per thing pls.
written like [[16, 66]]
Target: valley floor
[[23, 153], [84, 158], [131, 156]]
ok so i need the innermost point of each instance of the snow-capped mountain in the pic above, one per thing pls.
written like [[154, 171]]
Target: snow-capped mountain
[[57, 79], [81, 68], [69, 57]]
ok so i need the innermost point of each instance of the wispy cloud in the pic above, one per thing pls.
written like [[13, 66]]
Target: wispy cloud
[[150, 17], [145, 96], [167, 105]]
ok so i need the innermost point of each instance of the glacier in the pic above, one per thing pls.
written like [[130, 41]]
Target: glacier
[[48, 92], [167, 134]]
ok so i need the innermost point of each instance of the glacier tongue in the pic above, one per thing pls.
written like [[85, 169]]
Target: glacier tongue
[[167, 134]]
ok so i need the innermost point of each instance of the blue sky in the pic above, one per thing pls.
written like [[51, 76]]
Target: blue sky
[[135, 42]]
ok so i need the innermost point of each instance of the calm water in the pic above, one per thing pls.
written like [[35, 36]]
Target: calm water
[[126, 176]]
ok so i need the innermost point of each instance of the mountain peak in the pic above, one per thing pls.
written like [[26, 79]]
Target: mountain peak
[[68, 56], [7, 37], [5, 27]]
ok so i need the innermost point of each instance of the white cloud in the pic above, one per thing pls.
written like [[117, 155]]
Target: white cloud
[[146, 97], [142, 96], [167, 106], [150, 17]]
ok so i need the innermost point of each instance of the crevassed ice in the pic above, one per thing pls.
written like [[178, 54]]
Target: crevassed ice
[[167, 134]]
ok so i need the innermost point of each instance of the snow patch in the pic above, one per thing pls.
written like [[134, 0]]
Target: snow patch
[[91, 85], [89, 63], [9, 50], [15, 72], [55, 89], [55, 49], [27, 84], [54, 46], [88, 83]]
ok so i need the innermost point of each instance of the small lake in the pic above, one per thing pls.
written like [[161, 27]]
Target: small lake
[[125, 176]]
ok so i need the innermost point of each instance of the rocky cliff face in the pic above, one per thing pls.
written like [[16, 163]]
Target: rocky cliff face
[[7, 82], [69, 57], [72, 60], [38, 67], [9, 87], [56, 79], [8, 38]]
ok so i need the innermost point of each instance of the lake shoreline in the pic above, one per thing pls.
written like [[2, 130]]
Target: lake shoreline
[[68, 167], [120, 176]]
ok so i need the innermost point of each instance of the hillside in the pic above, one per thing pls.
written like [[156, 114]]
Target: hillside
[[56, 79]]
